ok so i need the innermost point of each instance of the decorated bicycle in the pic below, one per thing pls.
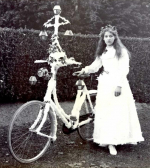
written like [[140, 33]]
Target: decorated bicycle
[[34, 125]]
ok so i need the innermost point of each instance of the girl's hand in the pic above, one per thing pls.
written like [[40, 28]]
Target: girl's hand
[[118, 91]]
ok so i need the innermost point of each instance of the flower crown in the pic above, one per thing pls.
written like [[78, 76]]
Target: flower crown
[[108, 27]]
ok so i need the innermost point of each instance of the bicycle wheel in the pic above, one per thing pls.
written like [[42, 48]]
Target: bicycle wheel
[[86, 131], [27, 146]]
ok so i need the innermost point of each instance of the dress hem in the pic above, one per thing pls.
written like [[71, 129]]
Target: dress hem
[[132, 142]]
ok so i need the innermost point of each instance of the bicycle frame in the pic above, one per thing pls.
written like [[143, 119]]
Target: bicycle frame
[[55, 108]]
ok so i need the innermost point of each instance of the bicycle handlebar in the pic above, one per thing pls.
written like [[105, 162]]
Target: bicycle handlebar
[[68, 62], [81, 76]]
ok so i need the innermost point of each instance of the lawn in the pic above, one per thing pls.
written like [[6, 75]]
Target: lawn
[[70, 151]]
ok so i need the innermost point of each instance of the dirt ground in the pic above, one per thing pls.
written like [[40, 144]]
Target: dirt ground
[[69, 151]]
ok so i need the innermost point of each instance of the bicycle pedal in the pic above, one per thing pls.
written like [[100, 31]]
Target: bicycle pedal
[[86, 116], [52, 142], [73, 118], [92, 116], [67, 130]]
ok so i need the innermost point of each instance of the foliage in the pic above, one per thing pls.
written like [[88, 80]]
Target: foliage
[[20, 48], [131, 17]]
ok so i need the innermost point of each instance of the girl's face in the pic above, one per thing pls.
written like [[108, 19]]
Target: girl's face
[[109, 38], [57, 11]]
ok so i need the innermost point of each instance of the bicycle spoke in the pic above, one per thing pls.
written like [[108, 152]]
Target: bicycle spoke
[[25, 145], [21, 143], [19, 137], [86, 131], [29, 147]]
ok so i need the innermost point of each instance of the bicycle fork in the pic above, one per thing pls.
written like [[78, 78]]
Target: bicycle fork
[[50, 107], [43, 112], [41, 117]]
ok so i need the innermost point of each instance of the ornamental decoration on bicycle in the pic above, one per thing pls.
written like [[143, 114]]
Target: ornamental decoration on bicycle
[[57, 55]]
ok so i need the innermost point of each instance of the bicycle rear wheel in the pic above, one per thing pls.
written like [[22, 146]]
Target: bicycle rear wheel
[[25, 145], [86, 131]]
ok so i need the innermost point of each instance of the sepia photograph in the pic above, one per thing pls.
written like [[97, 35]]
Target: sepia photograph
[[74, 83]]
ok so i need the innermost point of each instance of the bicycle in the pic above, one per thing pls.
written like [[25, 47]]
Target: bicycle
[[34, 125]]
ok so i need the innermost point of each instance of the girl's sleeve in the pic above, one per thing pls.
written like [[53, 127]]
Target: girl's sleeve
[[94, 67], [123, 67]]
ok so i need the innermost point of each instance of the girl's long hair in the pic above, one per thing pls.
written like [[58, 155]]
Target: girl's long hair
[[118, 45]]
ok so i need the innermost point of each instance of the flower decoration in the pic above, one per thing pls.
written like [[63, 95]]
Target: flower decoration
[[108, 27]]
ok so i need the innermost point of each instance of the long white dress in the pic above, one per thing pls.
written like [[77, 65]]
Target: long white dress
[[116, 120]]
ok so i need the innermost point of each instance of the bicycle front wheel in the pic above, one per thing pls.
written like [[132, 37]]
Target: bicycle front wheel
[[86, 130], [25, 145]]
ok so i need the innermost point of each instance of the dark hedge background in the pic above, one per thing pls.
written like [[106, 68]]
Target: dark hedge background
[[131, 17], [20, 48]]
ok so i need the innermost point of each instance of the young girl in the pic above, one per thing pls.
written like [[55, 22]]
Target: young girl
[[116, 121]]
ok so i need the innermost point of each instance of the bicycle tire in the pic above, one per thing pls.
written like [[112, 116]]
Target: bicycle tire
[[27, 146], [86, 131]]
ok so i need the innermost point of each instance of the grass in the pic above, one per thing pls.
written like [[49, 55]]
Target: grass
[[70, 151]]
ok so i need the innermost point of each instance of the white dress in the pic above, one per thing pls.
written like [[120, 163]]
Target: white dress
[[116, 121]]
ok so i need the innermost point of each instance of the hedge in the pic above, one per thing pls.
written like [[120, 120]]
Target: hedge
[[19, 48]]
